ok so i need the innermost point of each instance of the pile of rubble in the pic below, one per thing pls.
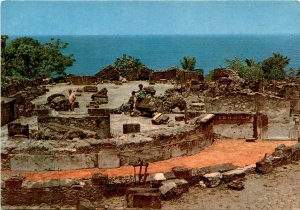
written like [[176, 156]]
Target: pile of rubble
[[59, 102], [224, 81], [100, 97]]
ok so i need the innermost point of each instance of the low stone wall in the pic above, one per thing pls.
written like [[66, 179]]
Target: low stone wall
[[176, 75], [82, 80], [276, 109], [98, 124], [106, 153], [233, 125], [165, 145], [17, 191]]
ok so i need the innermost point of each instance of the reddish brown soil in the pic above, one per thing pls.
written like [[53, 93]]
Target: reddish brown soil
[[237, 152]]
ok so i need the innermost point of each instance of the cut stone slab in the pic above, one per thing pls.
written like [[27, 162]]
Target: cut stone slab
[[173, 188], [236, 185], [131, 128], [143, 198], [52, 162], [234, 174], [108, 158], [14, 182], [90, 88], [161, 119], [213, 179], [181, 172], [156, 177], [179, 118], [99, 179]]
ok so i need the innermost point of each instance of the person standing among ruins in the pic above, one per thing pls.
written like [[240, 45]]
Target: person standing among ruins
[[141, 94], [72, 99], [132, 101]]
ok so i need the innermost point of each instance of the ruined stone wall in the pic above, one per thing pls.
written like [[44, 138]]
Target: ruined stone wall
[[291, 93], [82, 80], [174, 74], [8, 110], [277, 109], [233, 125], [165, 145], [98, 124], [107, 153]]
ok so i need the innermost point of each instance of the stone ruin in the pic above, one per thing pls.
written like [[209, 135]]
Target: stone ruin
[[226, 107]]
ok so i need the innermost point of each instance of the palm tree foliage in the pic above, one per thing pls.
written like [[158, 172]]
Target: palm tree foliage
[[188, 63]]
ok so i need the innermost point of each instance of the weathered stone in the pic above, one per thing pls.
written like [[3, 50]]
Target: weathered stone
[[131, 128], [14, 182], [162, 119], [99, 179], [52, 162], [83, 204], [150, 90], [181, 172], [156, 177], [18, 129], [213, 179], [236, 185], [173, 188], [90, 88], [108, 158], [233, 174], [51, 97], [143, 198], [179, 118]]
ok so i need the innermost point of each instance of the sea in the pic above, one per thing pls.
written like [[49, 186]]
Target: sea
[[93, 53]]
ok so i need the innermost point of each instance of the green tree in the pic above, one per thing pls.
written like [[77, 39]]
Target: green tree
[[28, 58], [188, 63], [274, 67], [127, 64], [247, 69]]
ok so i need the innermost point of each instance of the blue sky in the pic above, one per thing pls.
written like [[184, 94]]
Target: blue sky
[[149, 17]]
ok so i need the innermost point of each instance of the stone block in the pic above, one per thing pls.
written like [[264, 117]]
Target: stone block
[[18, 129], [236, 185], [83, 204], [147, 200], [181, 172], [179, 118], [99, 179], [213, 179], [250, 139], [90, 88], [99, 112], [234, 174], [52, 162], [143, 198], [14, 182], [108, 158], [161, 119], [264, 167], [131, 128], [173, 188]]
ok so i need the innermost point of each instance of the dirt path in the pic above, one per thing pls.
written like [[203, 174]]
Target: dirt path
[[237, 152]]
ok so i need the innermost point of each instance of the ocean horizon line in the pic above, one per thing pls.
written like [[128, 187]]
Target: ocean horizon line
[[139, 35]]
